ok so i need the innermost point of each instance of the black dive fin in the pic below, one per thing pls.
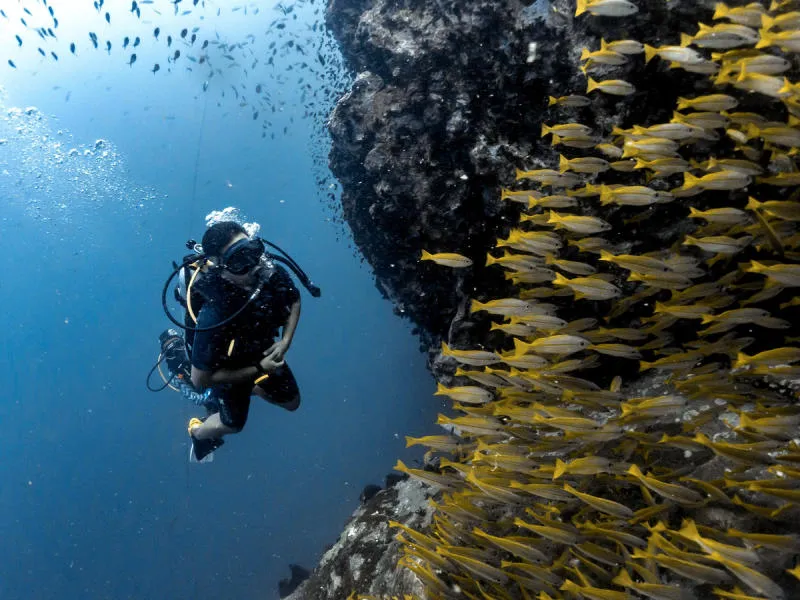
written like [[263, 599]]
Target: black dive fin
[[202, 450]]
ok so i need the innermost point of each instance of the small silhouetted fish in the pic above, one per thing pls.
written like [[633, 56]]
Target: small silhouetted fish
[[2, 12], [27, 11], [50, 31], [258, 89], [125, 42], [23, 22], [205, 86], [68, 96], [169, 41], [255, 115], [177, 55], [134, 6], [50, 10], [108, 47], [54, 55], [194, 2], [156, 31], [19, 40], [72, 47], [194, 38], [132, 60], [42, 52], [155, 68], [205, 45], [136, 41], [202, 60], [108, 18], [184, 31], [11, 62]]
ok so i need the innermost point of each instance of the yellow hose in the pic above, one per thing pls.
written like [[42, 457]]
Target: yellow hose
[[189, 292]]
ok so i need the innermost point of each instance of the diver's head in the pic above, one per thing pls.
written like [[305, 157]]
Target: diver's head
[[236, 256]]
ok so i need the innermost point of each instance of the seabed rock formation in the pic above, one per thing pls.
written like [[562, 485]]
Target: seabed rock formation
[[365, 555], [449, 99]]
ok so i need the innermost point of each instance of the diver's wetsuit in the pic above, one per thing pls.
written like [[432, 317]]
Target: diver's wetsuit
[[254, 330]]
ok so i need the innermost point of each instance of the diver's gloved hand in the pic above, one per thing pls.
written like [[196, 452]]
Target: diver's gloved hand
[[188, 392]]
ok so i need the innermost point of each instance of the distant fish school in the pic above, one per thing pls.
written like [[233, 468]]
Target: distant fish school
[[311, 67], [634, 429]]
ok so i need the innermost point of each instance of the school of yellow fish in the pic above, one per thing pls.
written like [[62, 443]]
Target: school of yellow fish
[[650, 446]]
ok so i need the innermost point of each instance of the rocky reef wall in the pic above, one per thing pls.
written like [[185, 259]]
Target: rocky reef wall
[[448, 99], [639, 448]]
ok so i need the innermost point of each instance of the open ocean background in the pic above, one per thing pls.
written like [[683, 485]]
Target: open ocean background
[[97, 498]]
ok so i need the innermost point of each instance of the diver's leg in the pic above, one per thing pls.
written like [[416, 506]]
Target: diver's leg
[[280, 389], [212, 428], [234, 405]]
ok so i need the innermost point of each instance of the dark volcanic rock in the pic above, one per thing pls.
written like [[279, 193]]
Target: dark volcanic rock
[[448, 99]]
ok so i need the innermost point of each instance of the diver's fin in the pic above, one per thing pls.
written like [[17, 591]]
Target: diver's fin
[[202, 451]]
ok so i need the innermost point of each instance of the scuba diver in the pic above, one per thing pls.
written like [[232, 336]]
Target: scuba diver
[[242, 311]]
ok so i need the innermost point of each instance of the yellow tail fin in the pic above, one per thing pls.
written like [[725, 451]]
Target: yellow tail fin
[[563, 163], [752, 204], [606, 255], [561, 468], [426, 255], [742, 360], [635, 471], [721, 11], [560, 280], [650, 52], [767, 39], [545, 130], [591, 85], [581, 7], [552, 100]]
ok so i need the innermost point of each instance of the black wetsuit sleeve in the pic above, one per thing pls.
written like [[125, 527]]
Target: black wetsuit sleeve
[[284, 291], [208, 345]]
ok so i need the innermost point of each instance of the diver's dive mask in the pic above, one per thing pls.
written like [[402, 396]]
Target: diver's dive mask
[[243, 256]]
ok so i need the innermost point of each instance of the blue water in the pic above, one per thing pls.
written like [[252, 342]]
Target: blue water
[[97, 498]]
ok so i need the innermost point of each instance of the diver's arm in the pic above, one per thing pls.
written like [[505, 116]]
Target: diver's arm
[[277, 350], [204, 379], [291, 325]]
